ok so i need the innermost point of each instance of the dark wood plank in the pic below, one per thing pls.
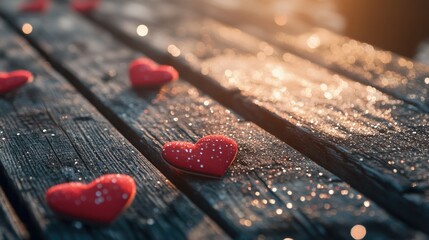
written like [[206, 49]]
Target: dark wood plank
[[11, 226], [384, 70], [375, 142], [271, 191], [50, 134]]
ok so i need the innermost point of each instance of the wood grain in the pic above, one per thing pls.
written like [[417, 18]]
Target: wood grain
[[49, 134], [375, 142], [271, 191]]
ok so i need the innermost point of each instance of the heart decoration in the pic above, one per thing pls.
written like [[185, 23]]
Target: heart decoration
[[211, 155], [35, 6], [100, 201], [144, 73], [85, 5], [13, 80]]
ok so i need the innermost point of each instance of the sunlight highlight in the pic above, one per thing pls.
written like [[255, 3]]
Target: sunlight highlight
[[27, 28]]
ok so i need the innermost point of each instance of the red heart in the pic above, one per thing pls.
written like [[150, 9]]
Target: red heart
[[85, 5], [211, 155], [13, 80], [100, 201], [146, 73], [35, 6]]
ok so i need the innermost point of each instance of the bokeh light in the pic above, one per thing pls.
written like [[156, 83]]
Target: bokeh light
[[27, 28], [358, 232], [142, 30]]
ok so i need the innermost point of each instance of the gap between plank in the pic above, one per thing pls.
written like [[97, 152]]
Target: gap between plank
[[15, 221], [21, 209]]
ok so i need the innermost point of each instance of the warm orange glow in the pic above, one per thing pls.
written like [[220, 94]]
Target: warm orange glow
[[313, 41], [142, 30], [280, 20], [27, 28], [358, 232]]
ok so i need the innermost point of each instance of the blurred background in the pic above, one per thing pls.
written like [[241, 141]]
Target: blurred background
[[401, 26]]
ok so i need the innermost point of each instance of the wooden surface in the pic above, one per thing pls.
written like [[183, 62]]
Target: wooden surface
[[188, 115], [51, 135], [271, 192], [225, 62]]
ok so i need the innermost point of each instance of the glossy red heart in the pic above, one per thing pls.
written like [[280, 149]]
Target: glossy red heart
[[35, 6], [13, 80], [144, 73], [211, 155], [100, 201], [85, 5]]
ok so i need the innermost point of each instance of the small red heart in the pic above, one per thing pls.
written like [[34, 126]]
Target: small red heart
[[211, 155], [13, 80], [100, 201], [146, 73], [85, 5], [35, 6]]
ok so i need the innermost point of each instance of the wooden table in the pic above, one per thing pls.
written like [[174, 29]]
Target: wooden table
[[332, 133]]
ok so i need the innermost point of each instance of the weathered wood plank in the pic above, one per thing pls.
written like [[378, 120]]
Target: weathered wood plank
[[50, 134], [375, 142], [271, 191], [384, 70], [11, 226]]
